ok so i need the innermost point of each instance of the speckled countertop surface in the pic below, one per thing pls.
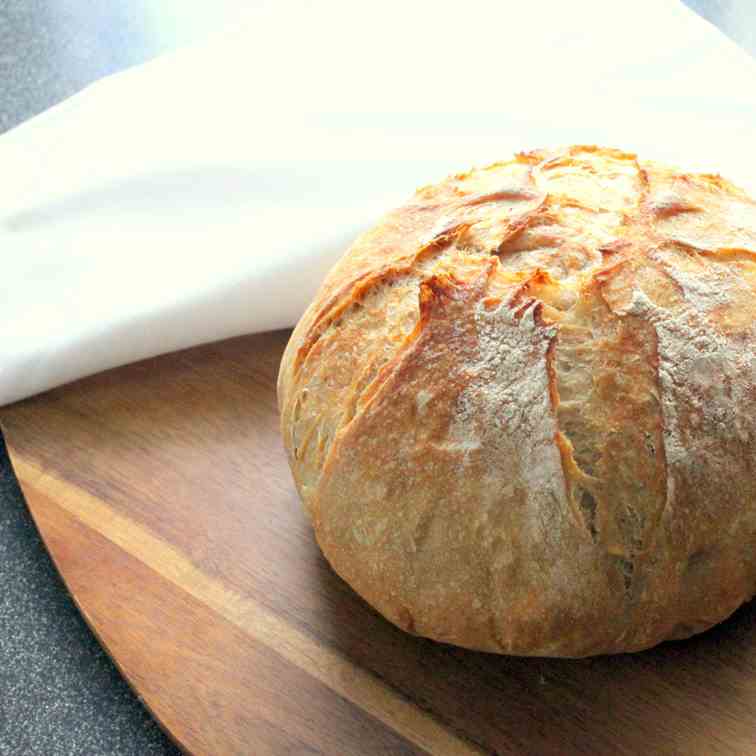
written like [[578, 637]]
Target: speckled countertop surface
[[59, 692]]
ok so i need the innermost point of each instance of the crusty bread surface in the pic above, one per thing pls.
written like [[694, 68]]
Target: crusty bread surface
[[520, 410]]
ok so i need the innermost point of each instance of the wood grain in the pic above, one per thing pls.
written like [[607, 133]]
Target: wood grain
[[163, 495]]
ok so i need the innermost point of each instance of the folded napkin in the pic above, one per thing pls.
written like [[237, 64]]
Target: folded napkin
[[205, 194]]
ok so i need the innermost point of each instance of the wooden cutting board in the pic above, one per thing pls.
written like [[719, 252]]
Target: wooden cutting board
[[162, 492]]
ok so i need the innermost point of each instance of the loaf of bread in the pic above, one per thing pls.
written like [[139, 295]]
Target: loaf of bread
[[521, 411]]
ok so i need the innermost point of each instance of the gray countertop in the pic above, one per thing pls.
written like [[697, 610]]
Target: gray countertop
[[59, 692]]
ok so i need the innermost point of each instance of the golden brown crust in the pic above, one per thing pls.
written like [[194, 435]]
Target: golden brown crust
[[519, 411]]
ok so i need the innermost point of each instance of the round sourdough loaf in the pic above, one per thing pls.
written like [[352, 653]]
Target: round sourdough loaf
[[520, 411]]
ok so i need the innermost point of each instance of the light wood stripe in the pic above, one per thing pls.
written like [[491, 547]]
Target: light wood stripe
[[326, 665]]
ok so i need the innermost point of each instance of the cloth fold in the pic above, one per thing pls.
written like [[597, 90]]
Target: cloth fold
[[205, 194]]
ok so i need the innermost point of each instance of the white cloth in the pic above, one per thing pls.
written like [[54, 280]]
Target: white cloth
[[205, 194]]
